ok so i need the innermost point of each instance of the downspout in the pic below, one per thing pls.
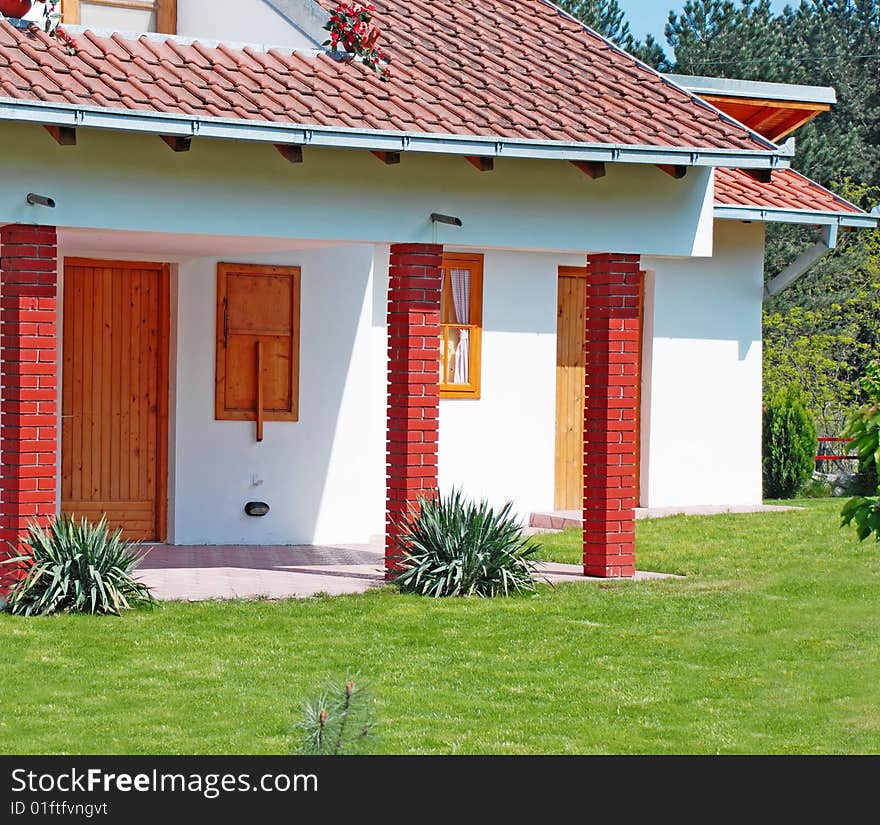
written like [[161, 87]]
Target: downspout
[[803, 262]]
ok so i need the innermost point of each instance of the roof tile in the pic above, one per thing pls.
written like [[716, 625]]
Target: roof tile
[[787, 189], [490, 68]]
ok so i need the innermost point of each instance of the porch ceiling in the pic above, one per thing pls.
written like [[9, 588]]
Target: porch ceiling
[[165, 245]]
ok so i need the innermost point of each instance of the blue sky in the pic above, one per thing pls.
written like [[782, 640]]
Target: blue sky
[[649, 16]]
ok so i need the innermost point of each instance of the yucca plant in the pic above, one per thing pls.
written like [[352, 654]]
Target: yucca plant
[[77, 567], [454, 546]]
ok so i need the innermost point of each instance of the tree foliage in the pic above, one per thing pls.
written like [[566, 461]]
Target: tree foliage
[[818, 42], [864, 429], [719, 38], [822, 331], [608, 19]]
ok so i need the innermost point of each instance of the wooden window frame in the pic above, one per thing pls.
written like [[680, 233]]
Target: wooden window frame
[[166, 11], [474, 263], [221, 413]]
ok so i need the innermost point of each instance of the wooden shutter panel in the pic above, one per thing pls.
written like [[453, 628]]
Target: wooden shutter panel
[[257, 304]]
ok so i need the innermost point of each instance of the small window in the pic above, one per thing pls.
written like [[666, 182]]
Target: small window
[[257, 343], [461, 322]]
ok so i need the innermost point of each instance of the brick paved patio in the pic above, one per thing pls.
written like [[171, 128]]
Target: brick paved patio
[[249, 572]]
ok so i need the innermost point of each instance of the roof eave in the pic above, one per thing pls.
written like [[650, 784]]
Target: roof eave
[[750, 89], [179, 125], [861, 220]]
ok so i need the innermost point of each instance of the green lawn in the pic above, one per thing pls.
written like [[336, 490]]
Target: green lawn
[[771, 644]]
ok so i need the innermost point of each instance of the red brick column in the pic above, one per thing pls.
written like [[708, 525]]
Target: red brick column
[[610, 414], [28, 382], [413, 375]]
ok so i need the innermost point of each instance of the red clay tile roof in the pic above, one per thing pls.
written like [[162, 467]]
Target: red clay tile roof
[[787, 190], [492, 68]]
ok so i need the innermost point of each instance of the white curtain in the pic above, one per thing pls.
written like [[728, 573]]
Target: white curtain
[[460, 281]]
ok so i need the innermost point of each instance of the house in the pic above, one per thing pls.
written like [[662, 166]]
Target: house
[[253, 294]]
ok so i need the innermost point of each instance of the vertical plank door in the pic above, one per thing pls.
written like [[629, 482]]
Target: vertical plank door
[[570, 366], [115, 394]]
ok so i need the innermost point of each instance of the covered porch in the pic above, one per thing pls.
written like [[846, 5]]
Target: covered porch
[[353, 452], [111, 394]]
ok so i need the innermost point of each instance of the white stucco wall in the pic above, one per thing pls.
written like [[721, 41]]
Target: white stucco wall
[[702, 404], [502, 445], [251, 21], [135, 182], [314, 472], [324, 475], [117, 19]]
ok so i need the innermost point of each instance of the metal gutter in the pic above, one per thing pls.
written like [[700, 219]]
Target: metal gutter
[[803, 262], [180, 125], [760, 214]]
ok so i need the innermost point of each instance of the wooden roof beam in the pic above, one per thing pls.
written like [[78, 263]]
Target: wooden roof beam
[[291, 152], [592, 169], [177, 143], [677, 172], [388, 158], [63, 135], [481, 164]]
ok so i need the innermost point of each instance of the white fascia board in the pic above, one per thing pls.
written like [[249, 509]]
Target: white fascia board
[[179, 125], [729, 87], [801, 216]]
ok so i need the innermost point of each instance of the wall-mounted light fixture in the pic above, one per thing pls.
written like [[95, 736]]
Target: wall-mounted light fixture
[[436, 217], [40, 200], [256, 508]]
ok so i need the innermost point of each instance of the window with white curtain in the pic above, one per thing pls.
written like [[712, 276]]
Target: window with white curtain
[[461, 317]]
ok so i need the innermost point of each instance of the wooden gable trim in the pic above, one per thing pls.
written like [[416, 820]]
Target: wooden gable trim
[[70, 11], [764, 103], [774, 119]]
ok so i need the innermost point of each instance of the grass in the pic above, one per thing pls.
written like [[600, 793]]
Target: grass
[[771, 644]]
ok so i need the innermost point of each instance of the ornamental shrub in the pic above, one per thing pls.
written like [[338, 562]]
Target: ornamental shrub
[[457, 547], [789, 444], [76, 567]]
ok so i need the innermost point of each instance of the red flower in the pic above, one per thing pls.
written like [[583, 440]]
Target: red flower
[[350, 25]]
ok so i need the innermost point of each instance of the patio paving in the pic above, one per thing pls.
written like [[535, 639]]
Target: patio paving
[[183, 573]]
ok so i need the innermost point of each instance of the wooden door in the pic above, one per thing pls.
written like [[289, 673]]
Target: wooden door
[[570, 365], [570, 380], [115, 394]]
